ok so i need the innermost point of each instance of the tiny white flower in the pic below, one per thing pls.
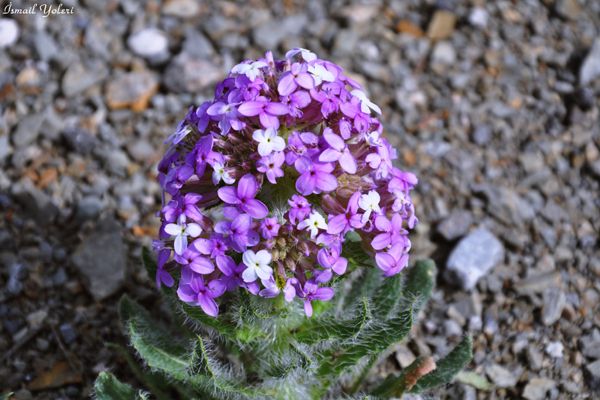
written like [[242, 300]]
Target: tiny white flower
[[306, 55], [320, 74], [181, 231], [220, 173], [257, 265], [373, 138], [251, 70], [268, 141], [366, 105], [369, 202], [313, 223]]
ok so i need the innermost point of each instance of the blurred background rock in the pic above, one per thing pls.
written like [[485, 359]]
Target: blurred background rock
[[494, 105]]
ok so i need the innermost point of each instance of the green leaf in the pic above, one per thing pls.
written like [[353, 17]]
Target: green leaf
[[364, 282], [373, 340], [107, 387], [419, 284], [448, 367], [149, 261], [396, 386], [326, 328], [387, 296], [155, 383], [220, 324], [6, 396], [356, 254], [162, 353]]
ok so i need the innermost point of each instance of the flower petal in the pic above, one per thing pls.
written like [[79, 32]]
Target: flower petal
[[202, 265], [228, 194], [208, 305], [251, 108]]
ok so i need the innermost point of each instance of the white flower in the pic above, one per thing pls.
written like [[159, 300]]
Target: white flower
[[251, 70], [181, 231], [257, 265], [320, 74], [306, 55], [366, 105], [313, 223], [220, 173], [268, 141], [369, 202], [373, 138]]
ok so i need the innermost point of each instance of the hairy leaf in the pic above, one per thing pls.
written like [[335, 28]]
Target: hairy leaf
[[107, 387], [396, 386], [447, 367], [419, 284], [371, 341], [387, 296], [326, 328]]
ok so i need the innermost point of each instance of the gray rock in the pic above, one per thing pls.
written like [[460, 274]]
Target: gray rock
[[269, 35], [68, 333], [590, 68], [478, 17], [79, 77], [5, 148], [28, 130], [554, 303], [537, 388], [190, 74], [102, 260], [16, 272], [502, 377], [141, 150], [37, 318], [45, 46], [535, 358], [592, 375], [149, 43], [35, 202], [555, 349], [473, 257], [456, 225], [89, 207], [569, 9], [443, 53], [197, 45], [590, 345], [9, 32], [482, 134]]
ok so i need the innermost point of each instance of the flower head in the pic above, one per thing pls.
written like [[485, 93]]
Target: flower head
[[271, 178]]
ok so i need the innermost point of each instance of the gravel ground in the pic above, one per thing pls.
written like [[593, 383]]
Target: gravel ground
[[494, 105]]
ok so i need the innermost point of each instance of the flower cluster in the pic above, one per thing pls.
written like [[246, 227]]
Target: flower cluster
[[267, 180]]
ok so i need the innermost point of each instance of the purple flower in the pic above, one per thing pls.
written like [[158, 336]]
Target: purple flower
[[315, 177], [162, 276], [297, 76], [274, 126], [342, 223], [390, 231], [269, 228], [271, 166], [267, 111], [310, 292], [392, 262], [238, 231], [337, 151], [227, 115], [196, 262], [243, 197], [299, 209], [193, 290]]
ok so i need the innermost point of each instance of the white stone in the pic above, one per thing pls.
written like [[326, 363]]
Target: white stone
[[149, 43], [9, 32]]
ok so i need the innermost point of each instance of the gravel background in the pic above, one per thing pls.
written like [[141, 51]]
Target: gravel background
[[494, 106]]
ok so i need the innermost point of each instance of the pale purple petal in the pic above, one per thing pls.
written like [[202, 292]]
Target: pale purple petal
[[276, 109], [255, 208], [251, 108], [247, 187], [286, 84], [202, 265], [208, 305], [329, 155], [305, 80], [323, 294], [337, 224], [228, 195], [347, 162]]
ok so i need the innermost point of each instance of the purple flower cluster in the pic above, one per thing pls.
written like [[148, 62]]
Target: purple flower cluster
[[267, 180]]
